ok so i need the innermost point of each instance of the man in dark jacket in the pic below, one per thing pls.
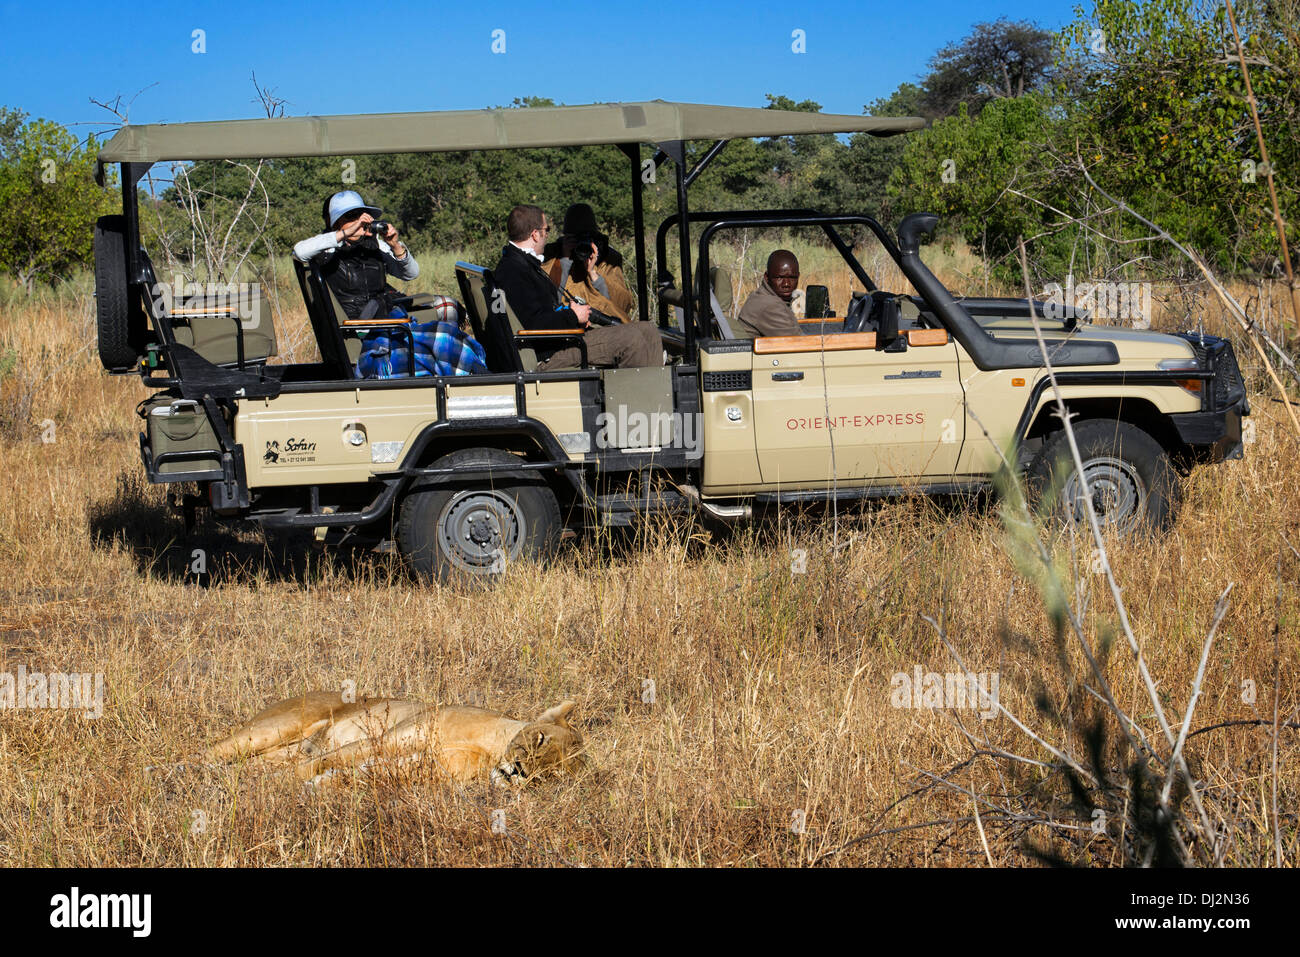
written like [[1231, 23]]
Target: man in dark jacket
[[539, 304]]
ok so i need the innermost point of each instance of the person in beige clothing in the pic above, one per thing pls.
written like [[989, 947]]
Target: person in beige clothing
[[598, 279], [767, 311]]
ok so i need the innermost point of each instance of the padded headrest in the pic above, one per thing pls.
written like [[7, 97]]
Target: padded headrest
[[720, 280]]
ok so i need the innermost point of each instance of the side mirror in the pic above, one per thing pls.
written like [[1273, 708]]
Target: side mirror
[[817, 303], [887, 336]]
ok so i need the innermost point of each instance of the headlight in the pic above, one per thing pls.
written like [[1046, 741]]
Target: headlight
[[1194, 386]]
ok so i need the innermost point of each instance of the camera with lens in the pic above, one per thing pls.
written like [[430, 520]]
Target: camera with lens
[[583, 247], [378, 228]]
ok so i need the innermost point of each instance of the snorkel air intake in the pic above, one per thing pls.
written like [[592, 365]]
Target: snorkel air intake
[[986, 351]]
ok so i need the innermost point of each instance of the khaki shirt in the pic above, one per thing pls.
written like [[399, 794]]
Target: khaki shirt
[[766, 314], [618, 304]]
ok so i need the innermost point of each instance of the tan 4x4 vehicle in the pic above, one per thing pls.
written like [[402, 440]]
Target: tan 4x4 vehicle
[[904, 394]]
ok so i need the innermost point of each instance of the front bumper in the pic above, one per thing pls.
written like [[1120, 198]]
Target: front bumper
[[1215, 436]]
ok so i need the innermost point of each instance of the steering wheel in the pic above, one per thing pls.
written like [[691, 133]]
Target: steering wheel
[[864, 313]]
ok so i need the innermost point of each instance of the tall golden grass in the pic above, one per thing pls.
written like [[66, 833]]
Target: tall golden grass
[[771, 689]]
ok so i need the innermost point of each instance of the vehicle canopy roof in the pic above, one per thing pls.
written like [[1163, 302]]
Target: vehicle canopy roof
[[655, 121]]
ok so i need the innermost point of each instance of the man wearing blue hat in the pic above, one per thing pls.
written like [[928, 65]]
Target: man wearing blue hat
[[357, 259]]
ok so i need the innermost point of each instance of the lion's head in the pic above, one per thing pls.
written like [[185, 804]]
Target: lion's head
[[547, 746]]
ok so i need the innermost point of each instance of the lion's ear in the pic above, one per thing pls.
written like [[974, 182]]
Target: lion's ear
[[557, 714]]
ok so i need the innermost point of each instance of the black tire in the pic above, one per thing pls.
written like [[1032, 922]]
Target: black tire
[[1133, 482], [476, 531], [118, 324]]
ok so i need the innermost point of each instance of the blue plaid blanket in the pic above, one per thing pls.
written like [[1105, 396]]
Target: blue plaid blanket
[[441, 348]]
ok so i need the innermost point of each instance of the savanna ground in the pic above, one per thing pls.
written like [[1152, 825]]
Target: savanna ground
[[772, 689]]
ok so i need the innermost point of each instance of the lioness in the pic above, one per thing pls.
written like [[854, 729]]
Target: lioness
[[319, 734]]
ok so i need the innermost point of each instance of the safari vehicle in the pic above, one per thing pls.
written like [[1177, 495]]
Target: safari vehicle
[[905, 394]]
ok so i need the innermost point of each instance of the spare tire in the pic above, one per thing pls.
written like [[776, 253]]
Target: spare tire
[[119, 322]]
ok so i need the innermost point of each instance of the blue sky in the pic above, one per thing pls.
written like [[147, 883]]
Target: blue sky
[[327, 57]]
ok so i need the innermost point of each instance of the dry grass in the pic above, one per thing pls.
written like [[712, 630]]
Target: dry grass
[[772, 689]]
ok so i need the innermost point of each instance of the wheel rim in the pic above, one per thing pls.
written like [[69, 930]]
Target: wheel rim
[[480, 532], [1119, 496]]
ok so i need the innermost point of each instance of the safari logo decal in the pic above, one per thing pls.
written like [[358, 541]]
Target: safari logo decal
[[292, 452]]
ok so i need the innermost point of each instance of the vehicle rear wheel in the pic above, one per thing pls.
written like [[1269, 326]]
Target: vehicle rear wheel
[[1131, 481], [114, 316], [477, 530]]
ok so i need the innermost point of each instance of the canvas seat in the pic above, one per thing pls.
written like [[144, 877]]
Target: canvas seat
[[510, 347], [212, 325], [720, 301]]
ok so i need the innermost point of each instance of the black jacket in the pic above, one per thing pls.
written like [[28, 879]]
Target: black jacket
[[531, 294], [357, 273]]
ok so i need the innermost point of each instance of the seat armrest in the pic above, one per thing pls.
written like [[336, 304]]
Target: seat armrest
[[372, 323], [536, 338]]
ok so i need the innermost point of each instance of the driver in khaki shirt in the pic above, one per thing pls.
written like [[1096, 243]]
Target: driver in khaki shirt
[[767, 311]]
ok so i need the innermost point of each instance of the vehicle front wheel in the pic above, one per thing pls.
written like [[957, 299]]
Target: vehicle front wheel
[[476, 530], [1131, 482]]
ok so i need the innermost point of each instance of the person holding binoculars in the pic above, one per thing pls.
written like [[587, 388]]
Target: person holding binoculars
[[360, 251]]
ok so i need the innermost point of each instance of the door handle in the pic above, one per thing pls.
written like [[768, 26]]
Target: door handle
[[786, 376]]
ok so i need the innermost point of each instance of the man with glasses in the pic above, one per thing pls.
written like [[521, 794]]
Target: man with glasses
[[540, 305]]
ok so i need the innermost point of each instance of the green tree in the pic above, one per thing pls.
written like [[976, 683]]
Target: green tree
[[11, 122], [48, 199], [1167, 124], [870, 160], [975, 174], [1000, 59]]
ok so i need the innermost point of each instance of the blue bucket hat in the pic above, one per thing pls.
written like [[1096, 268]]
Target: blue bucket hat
[[346, 201]]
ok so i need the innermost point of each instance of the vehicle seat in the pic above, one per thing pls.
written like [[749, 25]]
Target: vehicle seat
[[469, 279], [212, 325], [720, 301], [325, 314], [351, 340], [499, 332]]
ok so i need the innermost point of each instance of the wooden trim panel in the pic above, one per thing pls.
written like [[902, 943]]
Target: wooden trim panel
[[927, 337], [833, 342]]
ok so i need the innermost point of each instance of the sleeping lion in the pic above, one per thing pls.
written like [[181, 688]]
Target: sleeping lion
[[320, 735]]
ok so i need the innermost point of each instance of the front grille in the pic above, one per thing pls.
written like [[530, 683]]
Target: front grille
[[1226, 389], [737, 381]]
